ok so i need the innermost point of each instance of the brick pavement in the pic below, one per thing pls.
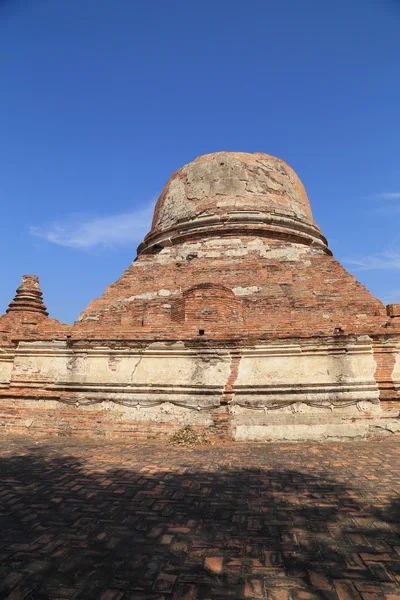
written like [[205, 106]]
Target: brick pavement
[[137, 521]]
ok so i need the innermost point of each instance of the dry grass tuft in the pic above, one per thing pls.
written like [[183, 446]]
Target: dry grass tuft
[[189, 437]]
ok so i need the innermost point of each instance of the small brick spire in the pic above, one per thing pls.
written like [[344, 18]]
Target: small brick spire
[[28, 297]]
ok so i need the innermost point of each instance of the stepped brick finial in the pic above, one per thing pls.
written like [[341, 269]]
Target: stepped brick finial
[[28, 297]]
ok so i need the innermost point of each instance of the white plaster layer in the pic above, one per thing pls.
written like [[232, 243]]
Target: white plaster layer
[[220, 247], [267, 375], [246, 291], [295, 433], [6, 366], [279, 374], [396, 370], [189, 378]]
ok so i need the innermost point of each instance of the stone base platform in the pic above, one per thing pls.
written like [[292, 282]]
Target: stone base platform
[[308, 390]]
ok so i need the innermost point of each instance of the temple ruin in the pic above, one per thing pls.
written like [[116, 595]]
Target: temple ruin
[[234, 317]]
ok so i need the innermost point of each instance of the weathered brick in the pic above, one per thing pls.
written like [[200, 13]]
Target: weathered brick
[[234, 263]]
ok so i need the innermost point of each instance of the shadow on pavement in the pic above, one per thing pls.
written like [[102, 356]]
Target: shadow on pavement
[[202, 532]]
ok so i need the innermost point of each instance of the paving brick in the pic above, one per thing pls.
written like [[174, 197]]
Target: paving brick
[[98, 544], [213, 564], [346, 591], [253, 588]]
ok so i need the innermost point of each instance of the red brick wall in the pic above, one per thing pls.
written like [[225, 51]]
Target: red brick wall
[[385, 358], [66, 421], [312, 296]]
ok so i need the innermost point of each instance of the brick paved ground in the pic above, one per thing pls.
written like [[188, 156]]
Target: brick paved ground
[[141, 521]]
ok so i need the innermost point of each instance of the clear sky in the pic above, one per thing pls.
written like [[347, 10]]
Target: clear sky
[[102, 100]]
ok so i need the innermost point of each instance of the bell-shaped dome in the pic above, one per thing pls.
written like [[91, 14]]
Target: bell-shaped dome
[[233, 192]]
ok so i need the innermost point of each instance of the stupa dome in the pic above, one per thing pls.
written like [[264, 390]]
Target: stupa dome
[[227, 193]]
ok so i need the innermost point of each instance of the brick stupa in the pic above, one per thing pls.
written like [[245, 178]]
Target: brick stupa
[[234, 317]]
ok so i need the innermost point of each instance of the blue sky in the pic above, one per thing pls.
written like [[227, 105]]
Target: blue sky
[[101, 100]]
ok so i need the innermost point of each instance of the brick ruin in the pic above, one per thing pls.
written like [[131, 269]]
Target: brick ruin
[[234, 317]]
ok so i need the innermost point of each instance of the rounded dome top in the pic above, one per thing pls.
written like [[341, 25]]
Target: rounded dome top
[[228, 192]]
